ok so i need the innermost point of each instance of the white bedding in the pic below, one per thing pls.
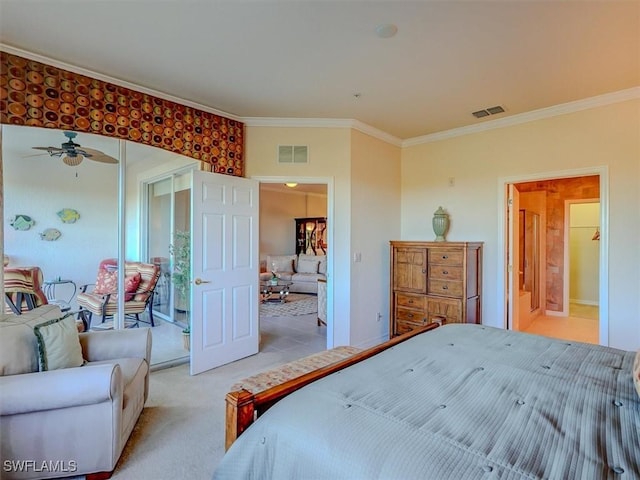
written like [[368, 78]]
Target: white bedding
[[459, 402]]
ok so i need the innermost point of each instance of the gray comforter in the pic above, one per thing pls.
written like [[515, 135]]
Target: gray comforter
[[459, 402]]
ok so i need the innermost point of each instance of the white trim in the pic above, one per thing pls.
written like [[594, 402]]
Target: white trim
[[115, 81], [542, 113], [322, 123], [591, 303], [603, 172]]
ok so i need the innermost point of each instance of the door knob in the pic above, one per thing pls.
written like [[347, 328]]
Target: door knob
[[199, 281]]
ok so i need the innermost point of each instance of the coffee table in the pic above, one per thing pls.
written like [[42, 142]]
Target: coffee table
[[274, 292]]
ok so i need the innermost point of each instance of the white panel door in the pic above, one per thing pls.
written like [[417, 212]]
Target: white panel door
[[224, 293]]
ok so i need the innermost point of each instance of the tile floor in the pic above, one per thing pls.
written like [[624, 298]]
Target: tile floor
[[581, 325]]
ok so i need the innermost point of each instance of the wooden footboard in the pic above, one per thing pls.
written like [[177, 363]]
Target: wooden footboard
[[243, 407]]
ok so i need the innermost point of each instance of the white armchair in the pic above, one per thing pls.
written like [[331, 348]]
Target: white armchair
[[76, 419]]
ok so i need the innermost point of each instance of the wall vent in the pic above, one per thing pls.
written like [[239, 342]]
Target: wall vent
[[488, 111], [293, 154]]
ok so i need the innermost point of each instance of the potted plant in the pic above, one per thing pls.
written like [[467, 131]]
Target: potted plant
[[180, 250]]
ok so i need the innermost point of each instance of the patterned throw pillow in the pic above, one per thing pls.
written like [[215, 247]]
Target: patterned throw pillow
[[107, 282], [59, 344], [636, 372], [280, 263]]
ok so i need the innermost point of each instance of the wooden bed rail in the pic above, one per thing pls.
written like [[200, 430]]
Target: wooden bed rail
[[243, 407]]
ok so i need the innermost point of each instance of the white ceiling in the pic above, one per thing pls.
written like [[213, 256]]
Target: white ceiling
[[307, 58]]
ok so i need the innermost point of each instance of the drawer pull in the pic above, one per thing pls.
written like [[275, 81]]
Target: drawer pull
[[445, 287], [424, 270], [445, 272], [410, 301], [410, 315], [444, 257]]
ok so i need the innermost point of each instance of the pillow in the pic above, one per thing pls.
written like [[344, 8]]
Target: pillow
[[131, 283], [280, 263], [58, 344], [307, 265], [636, 372], [107, 282]]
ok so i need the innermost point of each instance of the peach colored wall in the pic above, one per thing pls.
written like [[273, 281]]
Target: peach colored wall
[[557, 191], [604, 137]]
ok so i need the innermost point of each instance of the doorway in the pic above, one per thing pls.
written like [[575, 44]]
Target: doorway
[[292, 212], [543, 200]]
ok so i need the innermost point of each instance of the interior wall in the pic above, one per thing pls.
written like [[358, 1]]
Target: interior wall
[[602, 136], [375, 220], [584, 265], [277, 226], [329, 157]]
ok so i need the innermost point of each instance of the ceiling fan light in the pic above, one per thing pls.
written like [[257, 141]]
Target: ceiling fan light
[[72, 161], [291, 184]]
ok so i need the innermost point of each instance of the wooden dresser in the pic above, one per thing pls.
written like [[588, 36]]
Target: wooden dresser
[[434, 282]]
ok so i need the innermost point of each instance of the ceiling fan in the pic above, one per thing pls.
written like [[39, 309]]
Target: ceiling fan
[[73, 153]]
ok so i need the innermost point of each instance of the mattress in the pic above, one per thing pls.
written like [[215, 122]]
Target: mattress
[[458, 402]]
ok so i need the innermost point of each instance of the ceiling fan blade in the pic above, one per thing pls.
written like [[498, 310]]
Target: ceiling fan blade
[[49, 149], [35, 155], [97, 155]]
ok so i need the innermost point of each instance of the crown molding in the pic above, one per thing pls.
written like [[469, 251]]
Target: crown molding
[[116, 81], [554, 111], [323, 123]]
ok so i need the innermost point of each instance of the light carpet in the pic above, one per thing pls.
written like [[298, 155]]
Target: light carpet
[[180, 433], [295, 304]]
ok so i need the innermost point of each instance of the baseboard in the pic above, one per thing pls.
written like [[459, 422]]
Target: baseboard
[[584, 302]]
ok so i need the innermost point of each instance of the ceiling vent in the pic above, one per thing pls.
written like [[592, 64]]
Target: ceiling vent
[[293, 154], [489, 111]]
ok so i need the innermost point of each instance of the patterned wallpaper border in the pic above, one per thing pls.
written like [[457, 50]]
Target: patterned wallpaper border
[[40, 95]]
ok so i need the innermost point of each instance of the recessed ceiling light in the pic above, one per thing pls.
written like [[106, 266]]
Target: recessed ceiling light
[[386, 30]]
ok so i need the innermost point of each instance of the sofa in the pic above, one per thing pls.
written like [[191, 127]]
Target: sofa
[[67, 421], [302, 270]]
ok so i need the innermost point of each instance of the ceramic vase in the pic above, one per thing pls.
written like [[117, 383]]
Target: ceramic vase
[[440, 224]]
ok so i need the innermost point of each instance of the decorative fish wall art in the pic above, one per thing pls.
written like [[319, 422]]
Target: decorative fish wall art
[[50, 235], [68, 215], [21, 222]]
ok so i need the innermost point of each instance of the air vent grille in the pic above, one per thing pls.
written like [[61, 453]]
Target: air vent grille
[[488, 111], [293, 154]]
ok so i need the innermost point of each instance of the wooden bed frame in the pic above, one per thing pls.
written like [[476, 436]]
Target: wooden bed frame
[[244, 407]]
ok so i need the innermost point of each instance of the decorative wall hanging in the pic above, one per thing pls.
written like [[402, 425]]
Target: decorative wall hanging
[[68, 215], [50, 235], [40, 95], [21, 222]]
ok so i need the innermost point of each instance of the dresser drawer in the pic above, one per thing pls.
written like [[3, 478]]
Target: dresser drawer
[[443, 256], [404, 327], [411, 301], [442, 309], [446, 272], [444, 287], [409, 315]]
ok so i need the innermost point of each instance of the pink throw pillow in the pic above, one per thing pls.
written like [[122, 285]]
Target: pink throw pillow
[[131, 284]]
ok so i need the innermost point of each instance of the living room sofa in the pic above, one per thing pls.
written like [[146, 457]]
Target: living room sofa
[[303, 270], [68, 421]]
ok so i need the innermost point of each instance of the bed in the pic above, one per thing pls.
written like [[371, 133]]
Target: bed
[[459, 402]]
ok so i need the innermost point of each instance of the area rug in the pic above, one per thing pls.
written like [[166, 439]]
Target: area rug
[[296, 304]]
